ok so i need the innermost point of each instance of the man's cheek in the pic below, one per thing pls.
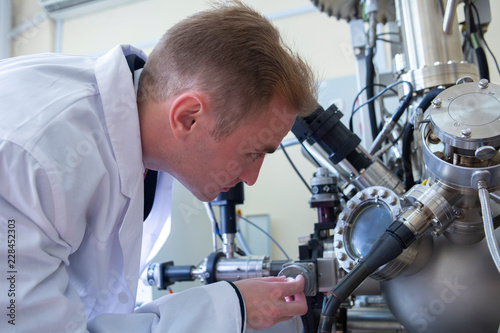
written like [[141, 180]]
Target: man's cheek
[[234, 168]]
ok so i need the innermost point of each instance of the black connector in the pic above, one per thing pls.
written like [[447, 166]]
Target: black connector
[[387, 247], [325, 128]]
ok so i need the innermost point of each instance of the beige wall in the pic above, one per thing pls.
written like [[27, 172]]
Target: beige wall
[[323, 42]]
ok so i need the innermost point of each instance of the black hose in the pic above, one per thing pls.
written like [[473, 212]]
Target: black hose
[[482, 64], [427, 100], [387, 247], [370, 92], [403, 105], [406, 157], [408, 139]]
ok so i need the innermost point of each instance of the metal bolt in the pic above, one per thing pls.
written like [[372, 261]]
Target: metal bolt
[[437, 102], [351, 205], [393, 201], [464, 79], [383, 193], [433, 138], [485, 152], [341, 256], [483, 83], [340, 231], [342, 216], [467, 132], [372, 192], [338, 244]]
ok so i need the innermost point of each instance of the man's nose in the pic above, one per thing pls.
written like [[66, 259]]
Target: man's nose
[[251, 172]]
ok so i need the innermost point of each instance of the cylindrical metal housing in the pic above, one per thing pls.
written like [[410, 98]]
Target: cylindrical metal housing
[[433, 57], [240, 268]]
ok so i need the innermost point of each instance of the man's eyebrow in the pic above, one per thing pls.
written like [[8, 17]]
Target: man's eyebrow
[[268, 149]]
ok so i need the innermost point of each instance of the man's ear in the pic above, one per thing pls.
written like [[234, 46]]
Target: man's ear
[[185, 113]]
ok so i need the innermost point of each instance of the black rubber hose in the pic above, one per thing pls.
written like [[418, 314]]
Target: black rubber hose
[[370, 78], [403, 105], [406, 157], [482, 64], [408, 139], [427, 100], [387, 247]]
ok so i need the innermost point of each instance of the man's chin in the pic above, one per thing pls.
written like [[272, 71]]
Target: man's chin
[[207, 197]]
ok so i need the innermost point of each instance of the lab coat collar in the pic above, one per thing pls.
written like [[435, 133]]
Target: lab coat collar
[[119, 101]]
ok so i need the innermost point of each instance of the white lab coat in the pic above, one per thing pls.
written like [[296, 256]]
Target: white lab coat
[[71, 177]]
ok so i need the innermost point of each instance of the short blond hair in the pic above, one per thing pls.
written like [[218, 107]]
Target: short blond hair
[[236, 56]]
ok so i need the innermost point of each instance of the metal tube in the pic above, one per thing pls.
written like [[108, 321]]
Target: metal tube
[[211, 217], [5, 26], [424, 42], [449, 16], [489, 229]]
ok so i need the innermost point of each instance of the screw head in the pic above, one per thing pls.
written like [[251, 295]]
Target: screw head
[[466, 132], [483, 83], [437, 103]]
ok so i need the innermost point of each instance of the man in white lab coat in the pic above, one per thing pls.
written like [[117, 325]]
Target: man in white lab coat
[[77, 136]]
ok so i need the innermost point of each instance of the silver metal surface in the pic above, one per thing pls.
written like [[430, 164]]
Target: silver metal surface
[[457, 291], [452, 174], [327, 274], [229, 244], [377, 174], [469, 117], [425, 43], [242, 268], [429, 206], [489, 229], [449, 16], [307, 270], [433, 57]]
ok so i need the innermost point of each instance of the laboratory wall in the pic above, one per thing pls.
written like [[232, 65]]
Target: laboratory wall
[[324, 42]]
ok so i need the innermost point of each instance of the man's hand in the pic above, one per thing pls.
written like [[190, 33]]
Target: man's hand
[[271, 300]]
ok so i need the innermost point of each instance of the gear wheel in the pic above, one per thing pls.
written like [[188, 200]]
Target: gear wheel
[[353, 9], [341, 9]]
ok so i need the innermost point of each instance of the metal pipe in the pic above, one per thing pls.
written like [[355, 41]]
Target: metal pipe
[[424, 42], [489, 229], [449, 16], [5, 26], [213, 223], [58, 37]]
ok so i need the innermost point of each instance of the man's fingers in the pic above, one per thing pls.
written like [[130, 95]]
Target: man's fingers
[[293, 286]]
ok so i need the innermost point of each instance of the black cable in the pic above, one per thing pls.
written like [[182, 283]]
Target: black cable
[[408, 139], [400, 109], [388, 40], [370, 78], [295, 168], [406, 157], [482, 36], [387, 247], [356, 98]]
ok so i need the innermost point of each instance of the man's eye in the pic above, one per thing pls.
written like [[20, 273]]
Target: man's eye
[[257, 155]]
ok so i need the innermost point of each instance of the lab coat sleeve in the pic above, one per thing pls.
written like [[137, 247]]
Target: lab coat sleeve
[[43, 298], [42, 293], [213, 308]]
